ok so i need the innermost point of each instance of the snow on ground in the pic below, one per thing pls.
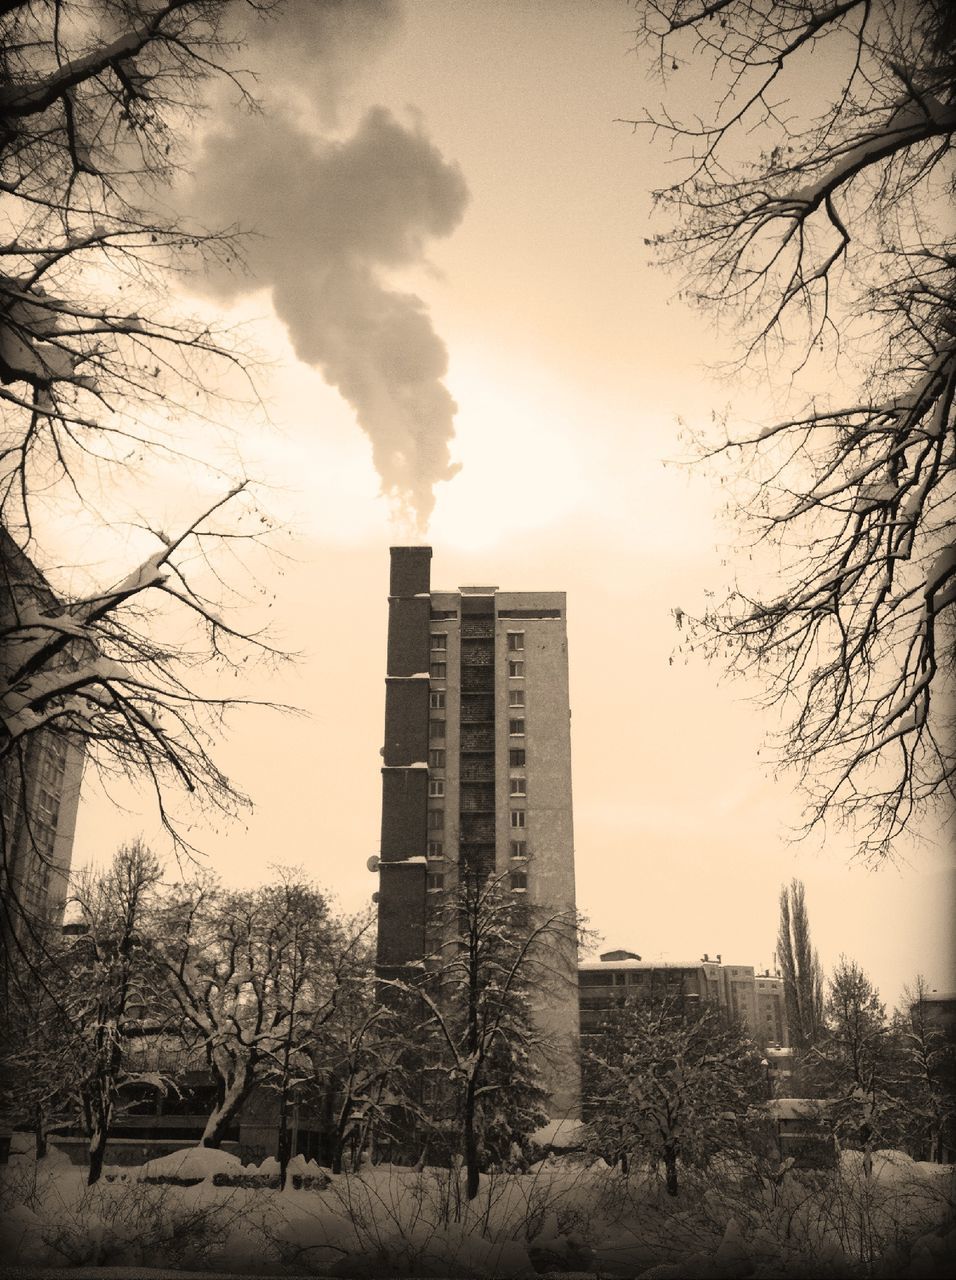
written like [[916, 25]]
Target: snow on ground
[[560, 1134], [564, 1216]]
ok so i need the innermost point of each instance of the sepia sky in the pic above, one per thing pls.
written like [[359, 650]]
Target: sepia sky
[[451, 286]]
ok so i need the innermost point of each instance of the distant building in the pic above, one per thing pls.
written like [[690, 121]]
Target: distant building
[[803, 1132], [771, 1002], [939, 1011], [936, 1010], [40, 776], [755, 1000], [619, 976], [477, 771]]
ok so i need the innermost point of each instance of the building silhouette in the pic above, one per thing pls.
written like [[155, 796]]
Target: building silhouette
[[476, 773], [40, 775]]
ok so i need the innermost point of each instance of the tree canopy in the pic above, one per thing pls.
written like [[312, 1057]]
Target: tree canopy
[[813, 207], [108, 388]]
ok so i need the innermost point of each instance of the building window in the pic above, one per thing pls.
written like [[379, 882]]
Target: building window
[[436, 729], [436, 787], [519, 786], [515, 641], [516, 757], [516, 698], [592, 978], [436, 758], [438, 670], [516, 728], [519, 879], [436, 820], [517, 818], [434, 880], [436, 849], [519, 849], [439, 641], [436, 700], [515, 670]]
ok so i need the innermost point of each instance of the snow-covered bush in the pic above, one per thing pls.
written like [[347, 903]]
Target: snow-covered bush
[[123, 1223], [842, 1222], [895, 1218]]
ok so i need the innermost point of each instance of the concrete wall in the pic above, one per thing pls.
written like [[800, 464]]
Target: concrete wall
[[549, 830], [401, 894]]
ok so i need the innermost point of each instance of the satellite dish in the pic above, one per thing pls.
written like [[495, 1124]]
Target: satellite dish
[[373, 862], [375, 896]]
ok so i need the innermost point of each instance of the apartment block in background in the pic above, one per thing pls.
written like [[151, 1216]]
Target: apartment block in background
[[755, 1000], [40, 776], [477, 770]]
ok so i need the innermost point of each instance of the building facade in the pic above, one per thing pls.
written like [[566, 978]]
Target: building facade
[[40, 775], [755, 1000], [476, 772]]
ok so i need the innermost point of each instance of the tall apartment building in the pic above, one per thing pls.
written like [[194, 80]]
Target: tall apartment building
[[39, 777], [477, 770]]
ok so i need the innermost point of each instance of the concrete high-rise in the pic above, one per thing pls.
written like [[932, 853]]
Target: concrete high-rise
[[477, 771]]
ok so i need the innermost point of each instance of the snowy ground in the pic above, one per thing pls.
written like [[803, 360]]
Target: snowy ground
[[561, 1217]]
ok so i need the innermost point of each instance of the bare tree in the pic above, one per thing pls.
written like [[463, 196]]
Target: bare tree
[[255, 975], [674, 1085], [91, 992], [358, 1059], [826, 233], [855, 1064], [800, 966], [106, 384]]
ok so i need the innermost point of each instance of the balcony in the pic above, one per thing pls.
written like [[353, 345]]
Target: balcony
[[477, 708], [477, 828], [477, 679], [478, 737], [480, 654], [480, 859], [477, 799], [477, 770], [477, 628]]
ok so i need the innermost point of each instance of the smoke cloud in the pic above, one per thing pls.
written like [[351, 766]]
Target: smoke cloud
[[331, 219]]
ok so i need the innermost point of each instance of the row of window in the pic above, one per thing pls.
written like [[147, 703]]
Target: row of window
[[439, 670], [436, 699], [435, 880], [518, 849], [439, 642], [518, 787], [437, 757], [436, 729], [603, 978]]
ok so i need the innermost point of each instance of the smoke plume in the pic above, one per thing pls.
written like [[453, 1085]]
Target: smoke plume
[[331, 218]]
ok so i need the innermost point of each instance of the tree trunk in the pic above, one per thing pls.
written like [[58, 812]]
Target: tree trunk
[[471, 1142], [340, 1135], [670, 1170], [39, 1131], [226, 1110], [97, 1152], [282, 1149], [98, 1113]]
